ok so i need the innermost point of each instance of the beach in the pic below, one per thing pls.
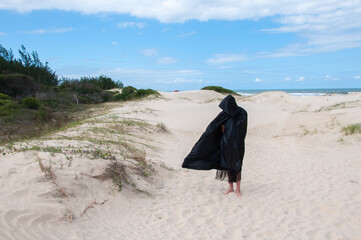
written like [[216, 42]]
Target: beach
[[300, 179]]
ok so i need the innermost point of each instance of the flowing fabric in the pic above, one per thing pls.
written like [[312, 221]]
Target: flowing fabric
[[221, 151]]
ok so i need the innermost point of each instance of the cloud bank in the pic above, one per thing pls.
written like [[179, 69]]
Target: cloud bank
[[324, 26], [295, 15]]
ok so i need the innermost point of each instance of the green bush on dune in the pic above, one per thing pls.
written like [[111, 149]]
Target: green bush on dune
[[31, 103], [219, 90], [4, 97], [131, 93]]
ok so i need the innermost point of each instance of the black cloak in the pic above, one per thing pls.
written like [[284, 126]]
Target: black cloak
[[217, 150]]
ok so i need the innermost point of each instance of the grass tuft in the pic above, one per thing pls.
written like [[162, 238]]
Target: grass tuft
[[162, 128], [116, 172], [351, 129]]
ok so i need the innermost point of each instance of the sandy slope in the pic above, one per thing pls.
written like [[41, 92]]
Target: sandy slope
[[301, 177]]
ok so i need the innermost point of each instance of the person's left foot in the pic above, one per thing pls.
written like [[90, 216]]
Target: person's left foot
[[238, 194], [228, 191]]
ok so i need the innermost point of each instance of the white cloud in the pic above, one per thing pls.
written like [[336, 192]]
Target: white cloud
[[300, 79], [167, 60], [226, 58], [323, 26], [357, 77], [3, 34], [140, 25], [131, 25], [144, 77], [250, 71], [328, 77], [287, 79], [182, 81], [303, 13], [323, 29], [50, 30], [185, 80], [114, 43], [226, 67], [186, 34], [149, 72], [148, 52], [257, 80]]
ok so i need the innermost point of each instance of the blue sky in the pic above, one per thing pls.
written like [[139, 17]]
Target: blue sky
[[185, 45]]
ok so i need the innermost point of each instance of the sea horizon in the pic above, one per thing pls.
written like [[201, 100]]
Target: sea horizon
[[300, 92]]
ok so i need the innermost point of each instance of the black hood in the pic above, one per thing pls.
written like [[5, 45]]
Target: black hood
[[229, 106]]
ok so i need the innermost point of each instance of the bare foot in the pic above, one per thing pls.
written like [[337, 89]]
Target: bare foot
[[238, 194], [228, 191]]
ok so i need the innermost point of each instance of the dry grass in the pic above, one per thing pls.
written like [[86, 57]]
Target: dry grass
[[48, 171], [50, 175], [115, 171], [162, 128], [91, 205], [350, 104]]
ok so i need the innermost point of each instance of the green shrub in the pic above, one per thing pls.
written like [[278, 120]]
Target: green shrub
[[353, 128], [4, 102], [44, 114], [4, 97], [219, 89], [18, 85], [130, 93], [146, 92], [31, 103], [7, 108]]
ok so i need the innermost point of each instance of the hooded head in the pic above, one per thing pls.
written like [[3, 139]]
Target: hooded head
[[229, 106]]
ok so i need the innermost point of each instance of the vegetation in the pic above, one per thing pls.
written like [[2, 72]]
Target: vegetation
[[28, 64], [351, 129], [33, 100], [116, 171], [341, 105], [131, 93], [219, 89]]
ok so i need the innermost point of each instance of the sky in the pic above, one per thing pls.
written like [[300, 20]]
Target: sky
[[188, 44]]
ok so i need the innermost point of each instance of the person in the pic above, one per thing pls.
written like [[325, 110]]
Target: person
[[222, 145]]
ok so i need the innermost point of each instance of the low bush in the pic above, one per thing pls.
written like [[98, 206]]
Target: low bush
[[18, 85], [31, 103], [7, 108], [4, 97], [146, 92], [219, 89], [83, 92], [131, 93]]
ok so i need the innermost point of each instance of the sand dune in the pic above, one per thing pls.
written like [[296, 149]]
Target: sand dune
[[301, 176]]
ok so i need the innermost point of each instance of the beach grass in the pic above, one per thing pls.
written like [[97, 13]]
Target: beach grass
[[352, 128]]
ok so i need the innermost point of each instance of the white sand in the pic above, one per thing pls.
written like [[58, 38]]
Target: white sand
[[301, 176]]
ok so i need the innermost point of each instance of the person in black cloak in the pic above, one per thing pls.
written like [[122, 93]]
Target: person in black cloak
[[222, 146]]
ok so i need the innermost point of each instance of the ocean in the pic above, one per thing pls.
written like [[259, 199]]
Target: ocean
[[301, 92]]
